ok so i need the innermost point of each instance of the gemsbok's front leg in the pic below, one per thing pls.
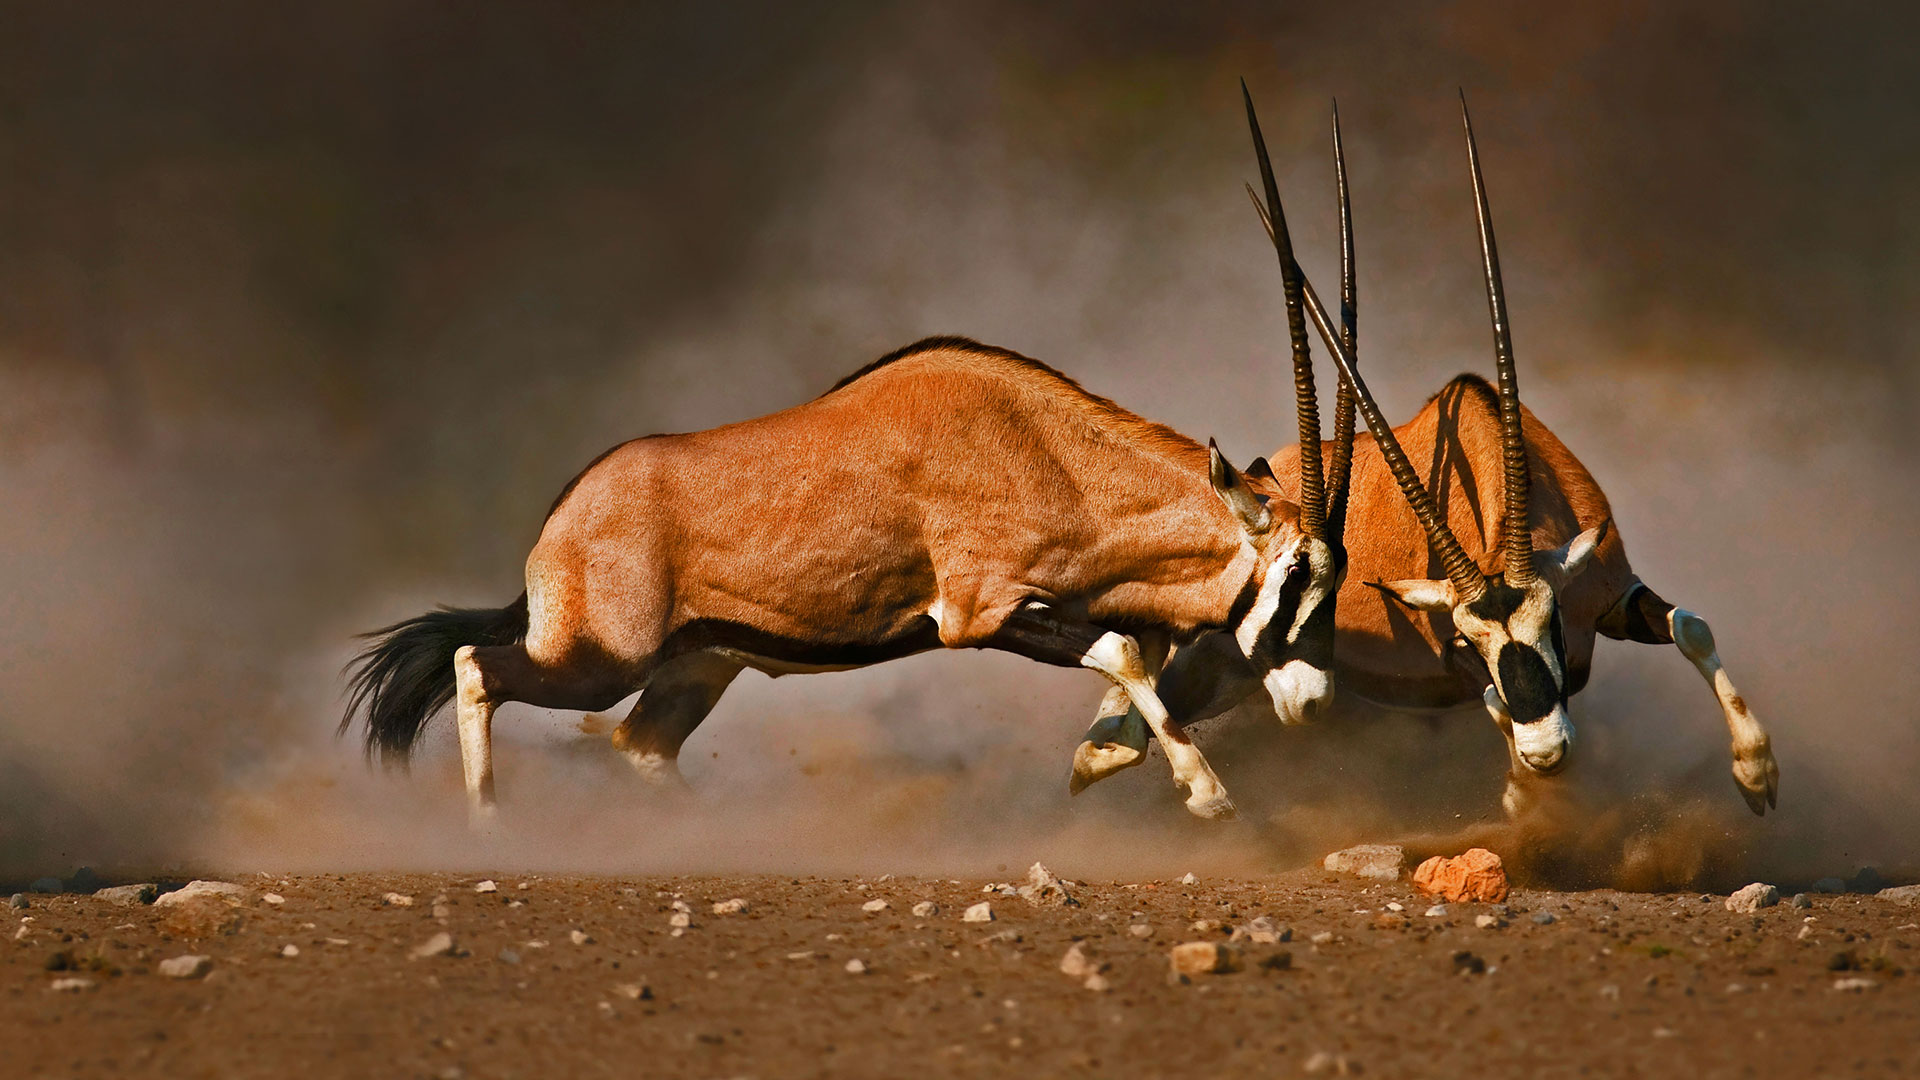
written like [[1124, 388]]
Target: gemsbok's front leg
[[1117, 739], [1039, 634], [1641, 615], [1519, 797]]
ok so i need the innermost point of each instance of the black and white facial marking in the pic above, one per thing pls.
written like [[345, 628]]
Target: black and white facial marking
[[1517, 632], [1287, 629], [1284, 622]]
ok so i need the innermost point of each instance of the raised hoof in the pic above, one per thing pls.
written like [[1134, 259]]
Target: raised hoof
[[1758, 778], [1092, 762], [1215, 807]]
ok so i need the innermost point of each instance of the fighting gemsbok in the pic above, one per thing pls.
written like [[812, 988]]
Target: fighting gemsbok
[[1489, 580], [947, 495]]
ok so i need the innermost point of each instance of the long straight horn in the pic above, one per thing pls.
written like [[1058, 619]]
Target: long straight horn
[[1516, 532], [1313, 488], [1340, 466], [1468, 583]]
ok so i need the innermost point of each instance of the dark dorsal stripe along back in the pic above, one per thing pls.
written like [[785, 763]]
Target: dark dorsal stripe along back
[[1340, 467], [1517, 537], [1313, 489]]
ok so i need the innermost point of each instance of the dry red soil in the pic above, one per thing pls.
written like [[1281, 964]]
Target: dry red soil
[[1619, 984]]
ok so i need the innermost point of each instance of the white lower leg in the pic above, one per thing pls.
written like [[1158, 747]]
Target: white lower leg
[[657, 769], [475, 715], [1753, 766], [1118, 658], [1117, 740]]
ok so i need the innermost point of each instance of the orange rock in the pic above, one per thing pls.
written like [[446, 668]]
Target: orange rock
[[1476, 875]]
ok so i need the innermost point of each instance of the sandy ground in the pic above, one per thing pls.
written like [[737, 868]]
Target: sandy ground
[[1618, 984]]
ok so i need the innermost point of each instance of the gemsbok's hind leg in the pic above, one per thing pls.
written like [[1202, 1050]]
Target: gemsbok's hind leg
[[1641, 615], [1041, 635], [675, 701], [1118, 738], [484, 677]]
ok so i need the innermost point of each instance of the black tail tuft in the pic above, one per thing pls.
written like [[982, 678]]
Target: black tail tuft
[[406, 675]]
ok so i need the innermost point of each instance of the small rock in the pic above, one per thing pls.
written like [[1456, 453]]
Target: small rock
[[1205, 926], [807, 955], [193, 890], [1395, 906], [856, 967], [1097, 983], [1437, 911], [1866, 880], [123, 895], [186, 967], [679, 920], [1140, 930], [1802, 900], [272, 898], [290, 950], [925, 909], [579, 937], [1376, 862], [440, 944], [1261, 931], [1805, 933], [1204, 958], [735, 906], [1829, 885], [1476, 875], [394, 899], [1489, 922], [1754, 897], [681, 905], [1544, 918], [1078, 964], [980, 912], [508, 956], [1324, 937], [18, 901], [71, 984], [442, 911], [872, 906], [1901, 894], [1043, 888], [1009, 936], [45, 885], [1332, 1064], [1189, 879], [486, 886], [1855, 984], [635, 991]]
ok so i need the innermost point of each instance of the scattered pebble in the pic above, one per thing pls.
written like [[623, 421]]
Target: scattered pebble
[[193, 890], [1189, 879], [1754, 897], [394, 899], [1204, 958], [1332, 1064], [18, 901], [186, 967], [872, 906], [124, 895], [635, 991], [735, 906], [486, 886], [980, 912], [1901, 894], [1078, 964], [1261, 931], [1376, 862], [1324, 937], [1097, 983], [1802, 900], [1043, 888], [579, 937], [1437, 911], [1140, 930], [807, 955], [508, 956], [1395, 905], [856, 967], [71, 984], [289, 950], [925, 909], [273, 898], [1489, 922], [440, 944], [1855, 984], [1544, 918]]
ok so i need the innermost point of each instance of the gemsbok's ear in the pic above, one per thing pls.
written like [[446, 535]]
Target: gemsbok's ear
[[1233, 490], [1259, 469], [1564, 563], [1420, 594]]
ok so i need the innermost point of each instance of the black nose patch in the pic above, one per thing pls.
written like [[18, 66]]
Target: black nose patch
[[1526, 683]]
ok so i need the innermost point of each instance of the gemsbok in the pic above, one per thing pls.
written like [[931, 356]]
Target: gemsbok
[[1488, 581], [949, 494]]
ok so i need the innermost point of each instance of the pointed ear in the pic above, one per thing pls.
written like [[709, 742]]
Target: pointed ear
[[1259, 469], [1233, 490], [1420, 594], [1564, 563]]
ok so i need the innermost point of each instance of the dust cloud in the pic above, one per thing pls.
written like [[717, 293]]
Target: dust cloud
[[305, 318]]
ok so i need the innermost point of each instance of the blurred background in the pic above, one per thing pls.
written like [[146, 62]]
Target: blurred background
[[308, 311]]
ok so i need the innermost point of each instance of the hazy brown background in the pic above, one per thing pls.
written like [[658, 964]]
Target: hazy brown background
[[306, 311]]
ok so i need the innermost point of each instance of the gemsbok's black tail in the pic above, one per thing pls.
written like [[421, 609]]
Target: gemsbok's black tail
[[406, 674]]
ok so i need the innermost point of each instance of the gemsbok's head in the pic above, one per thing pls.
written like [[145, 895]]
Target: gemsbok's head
[[1510, 618], [1288, 635]]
